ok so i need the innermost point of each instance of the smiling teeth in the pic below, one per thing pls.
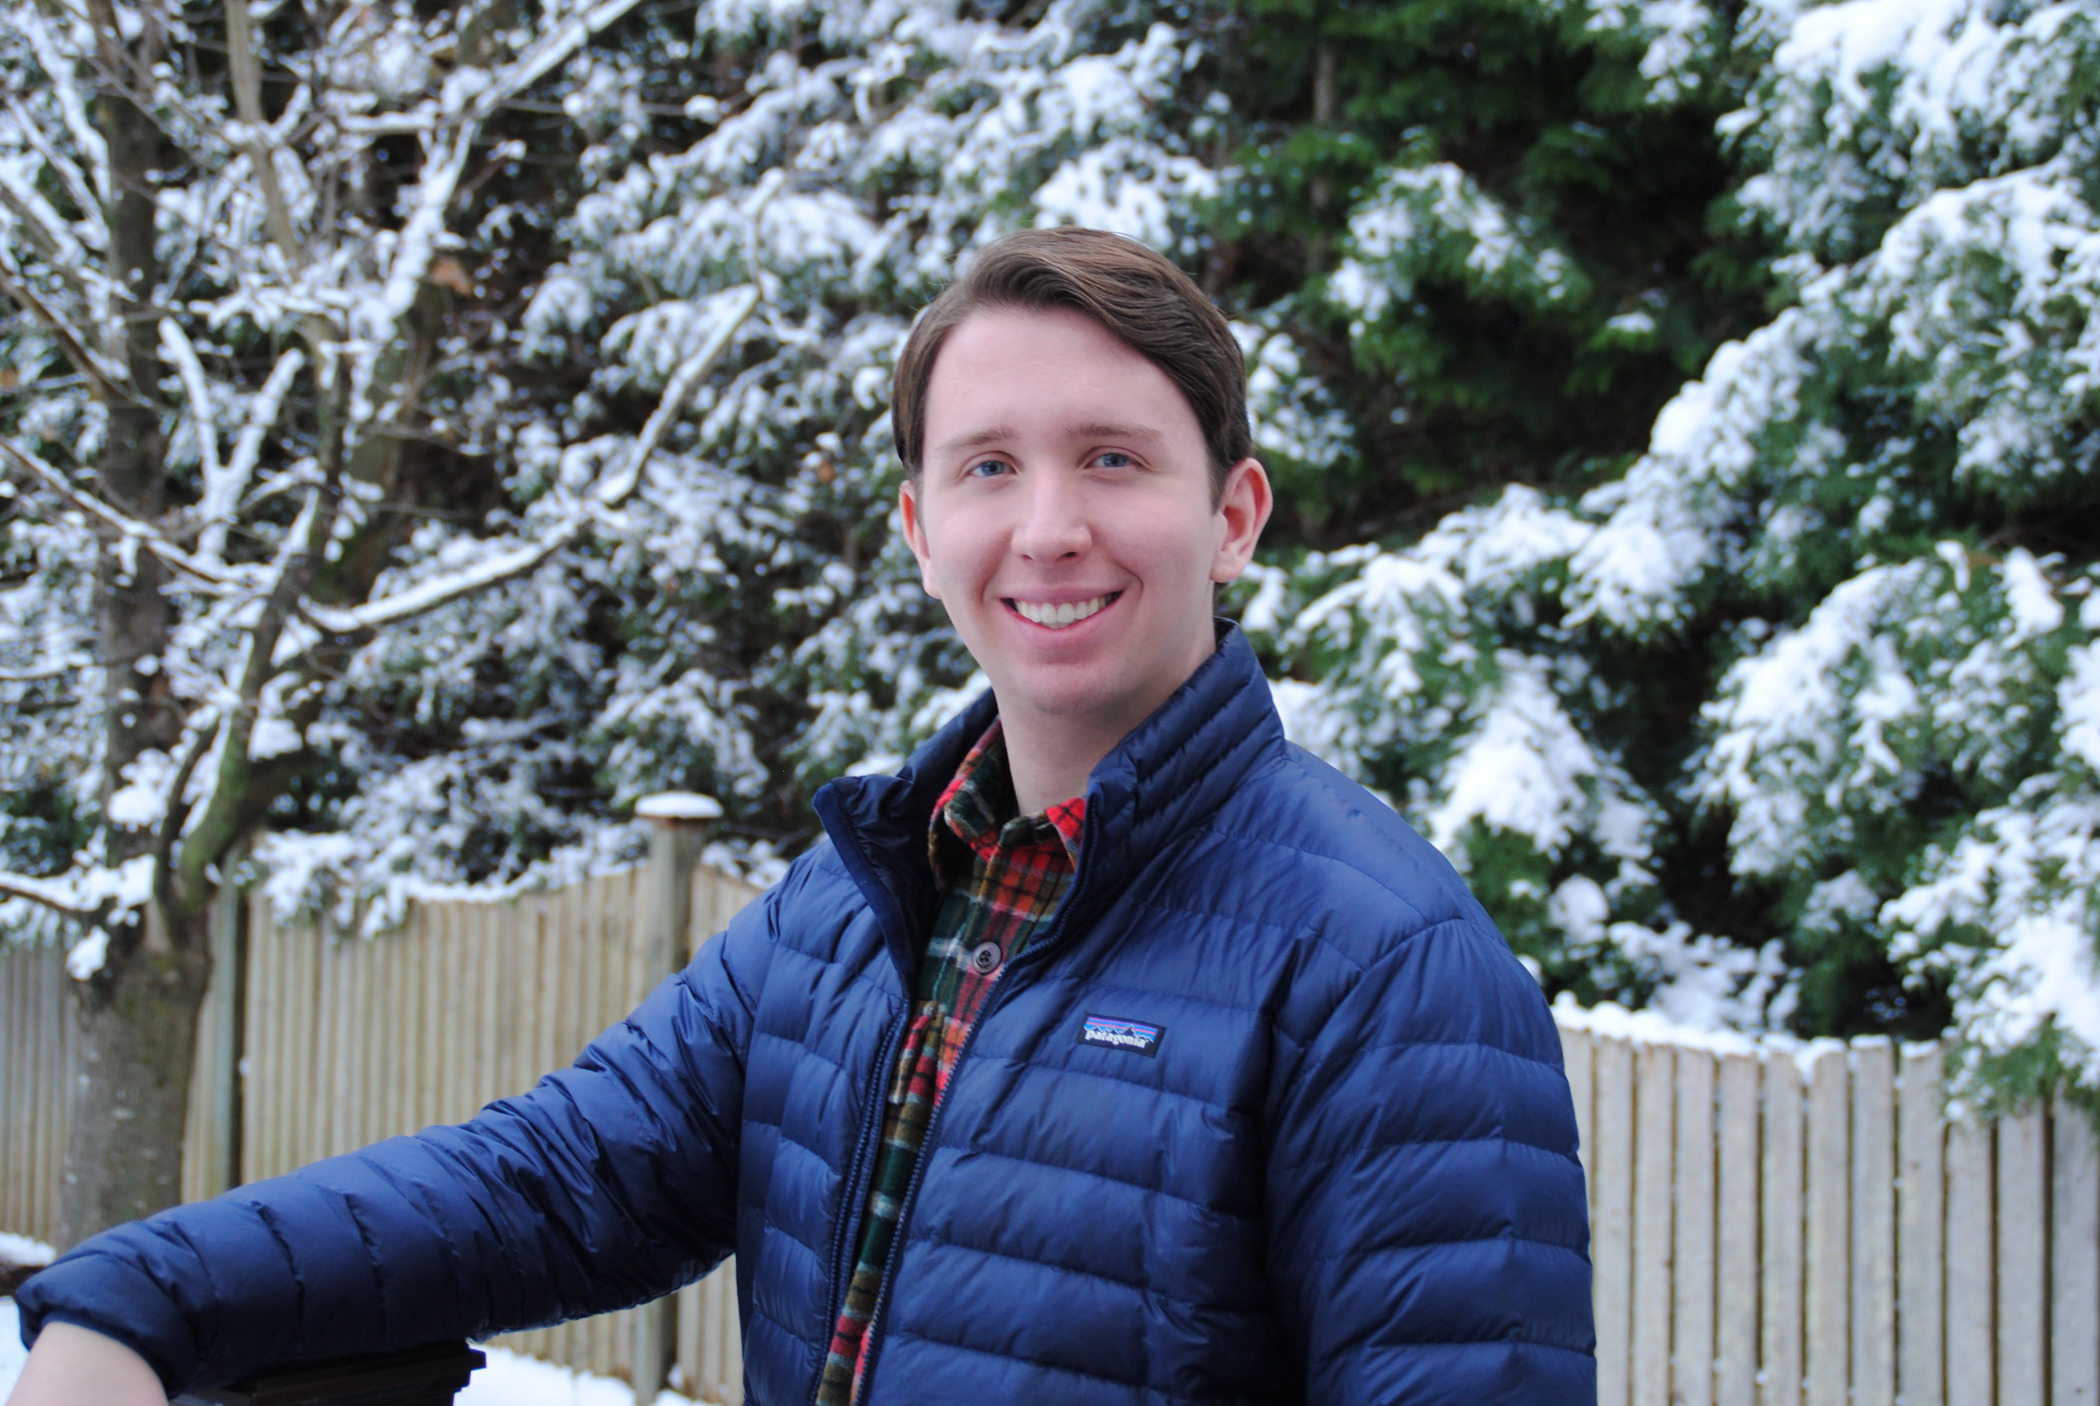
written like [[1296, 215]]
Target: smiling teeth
[[1057, 617]]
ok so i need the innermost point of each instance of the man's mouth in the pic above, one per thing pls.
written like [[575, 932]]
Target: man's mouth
[[1063, 614]]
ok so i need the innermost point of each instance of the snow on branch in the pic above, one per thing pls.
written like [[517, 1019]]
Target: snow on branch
[[611, 492], [38, 673], [55, 894], [91, 892], [679, 390], [443, 590], [104, 377], [175, 345], [44, 225], [222, 496], [70, 175], [420, 231], [72, 106], [544, 56], [129, 528]]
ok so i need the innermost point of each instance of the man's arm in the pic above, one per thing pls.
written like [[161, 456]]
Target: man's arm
[[1428, 1222], [610, 1183]]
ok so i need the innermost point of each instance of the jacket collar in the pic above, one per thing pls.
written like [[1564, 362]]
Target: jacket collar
[[1168, 775]]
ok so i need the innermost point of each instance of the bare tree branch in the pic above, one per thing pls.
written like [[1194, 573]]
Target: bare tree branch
[[84, 361], [502, 566], [202, 572], [175, 343], [174, 812], [69, 173], [254, 136], [48, 892], [222, 498], [57, 669]]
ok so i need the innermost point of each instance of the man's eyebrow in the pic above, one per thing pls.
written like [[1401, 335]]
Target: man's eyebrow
[[1092, 429], [1110, 430], [976, 439]]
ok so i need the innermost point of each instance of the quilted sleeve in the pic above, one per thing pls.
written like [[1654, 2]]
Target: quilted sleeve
[[610, 1183], [1429, 1229]]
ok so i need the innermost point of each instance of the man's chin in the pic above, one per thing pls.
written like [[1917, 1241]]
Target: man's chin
[[1061, 693]]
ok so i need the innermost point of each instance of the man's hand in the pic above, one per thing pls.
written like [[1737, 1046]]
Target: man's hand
[[71, 1366]]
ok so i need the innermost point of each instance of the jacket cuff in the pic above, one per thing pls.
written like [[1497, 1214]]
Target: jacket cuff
[[119, 1301]]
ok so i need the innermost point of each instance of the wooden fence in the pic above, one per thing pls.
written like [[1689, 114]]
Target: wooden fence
[[1789, 1224], [1774, 1223], [323, 1045]]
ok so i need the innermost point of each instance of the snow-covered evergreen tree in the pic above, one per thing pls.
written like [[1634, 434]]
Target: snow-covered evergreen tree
[[1837, 620]]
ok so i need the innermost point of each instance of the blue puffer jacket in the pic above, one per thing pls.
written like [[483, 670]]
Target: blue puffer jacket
[[1343, 1171]]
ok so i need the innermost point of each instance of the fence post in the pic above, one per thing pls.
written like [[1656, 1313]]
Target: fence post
[[678, 825]]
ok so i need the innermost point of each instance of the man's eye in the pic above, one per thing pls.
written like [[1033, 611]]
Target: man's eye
[[988, 468], [1114, 459]]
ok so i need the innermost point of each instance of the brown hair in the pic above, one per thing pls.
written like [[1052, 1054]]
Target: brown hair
[[1132, 291]]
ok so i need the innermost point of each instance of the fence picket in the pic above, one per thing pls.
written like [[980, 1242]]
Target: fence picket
[[1971, 1269], [1780, 1348], [1611, 1216], [2023, 1259], [1655, 1103], [1873, 1249], [1735, 1269], [1827, 1277], [1692, 1327], [1578, 1059], [1920, 1229], [2074, 1259]]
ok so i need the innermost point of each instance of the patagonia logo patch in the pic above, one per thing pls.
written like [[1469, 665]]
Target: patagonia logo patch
[[1114, 1034]]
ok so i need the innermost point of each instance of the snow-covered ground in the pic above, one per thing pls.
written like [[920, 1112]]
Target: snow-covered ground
[[507, 1380], [512, 1380]]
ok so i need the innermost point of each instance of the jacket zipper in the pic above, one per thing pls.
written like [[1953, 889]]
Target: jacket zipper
[[861, 1172], [873, 1348]]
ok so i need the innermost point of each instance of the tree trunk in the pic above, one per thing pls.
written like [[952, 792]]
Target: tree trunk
[[138, 1038], [137, 1016]]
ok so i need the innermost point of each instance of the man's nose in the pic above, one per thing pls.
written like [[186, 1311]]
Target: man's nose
[[1053, 525]]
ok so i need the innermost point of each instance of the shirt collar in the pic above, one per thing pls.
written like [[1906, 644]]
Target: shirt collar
[[978, 807]]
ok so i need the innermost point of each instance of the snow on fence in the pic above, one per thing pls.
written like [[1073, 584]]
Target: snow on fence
[[1774, 1223]]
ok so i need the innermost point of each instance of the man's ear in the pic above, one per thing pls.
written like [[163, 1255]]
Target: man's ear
[[1243, 510], [915, 535]]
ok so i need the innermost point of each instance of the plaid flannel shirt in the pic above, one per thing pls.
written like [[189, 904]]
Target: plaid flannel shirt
[[1004, 874]]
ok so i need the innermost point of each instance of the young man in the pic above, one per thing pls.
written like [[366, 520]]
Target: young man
[[1114, 1051]]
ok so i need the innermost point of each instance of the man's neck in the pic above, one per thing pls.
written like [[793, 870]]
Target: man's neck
[[1051, 758]]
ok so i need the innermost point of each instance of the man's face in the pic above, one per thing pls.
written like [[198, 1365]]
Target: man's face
[[1064, 517]]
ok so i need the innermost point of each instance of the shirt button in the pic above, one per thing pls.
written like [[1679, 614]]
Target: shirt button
[[985, 958]]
